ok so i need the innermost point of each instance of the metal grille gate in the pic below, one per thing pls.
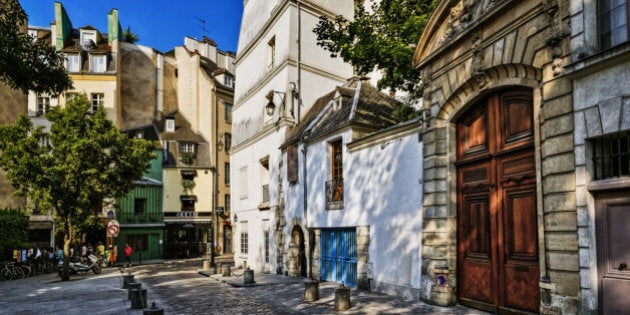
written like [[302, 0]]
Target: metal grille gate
[[339, 255]]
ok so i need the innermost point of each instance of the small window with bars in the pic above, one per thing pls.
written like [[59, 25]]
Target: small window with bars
[[611, 156]]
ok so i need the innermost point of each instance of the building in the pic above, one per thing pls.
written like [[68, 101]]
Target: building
[[359, 177], [281, 72], [139, 213], [597, 153], [500, 212]]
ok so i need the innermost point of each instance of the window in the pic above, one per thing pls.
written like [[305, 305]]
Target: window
[[226, 173], [97, 101], [266, 235], [43, 104], [140, 206], [88, 39], [271, 53], [44, 141], [187, 152], [264, 180], [337, 160], [292, 164], [613, 22], [139, 243], [74, 63], [99, 64], [228, 80], [228, 112], [33, 34], [227, 202], [170, 124], [227, 138], [188, 202], [244, 243], [611, 156]]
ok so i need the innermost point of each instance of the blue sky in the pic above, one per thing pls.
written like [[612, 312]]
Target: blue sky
[[160, 24]]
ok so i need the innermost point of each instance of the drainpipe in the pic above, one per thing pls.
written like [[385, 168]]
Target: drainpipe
[[305, 210], [299, 60], [215, 175]]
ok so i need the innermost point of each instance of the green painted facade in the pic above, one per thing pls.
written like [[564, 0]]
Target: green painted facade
[[140, 216], [62, 24]]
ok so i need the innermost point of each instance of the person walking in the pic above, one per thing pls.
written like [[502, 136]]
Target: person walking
[[113, 252], [128, 252]]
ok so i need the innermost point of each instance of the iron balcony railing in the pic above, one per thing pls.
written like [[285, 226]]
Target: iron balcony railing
[[334, 193]]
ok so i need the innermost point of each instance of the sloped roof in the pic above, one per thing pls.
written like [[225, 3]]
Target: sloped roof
[[357, 103], [183, 131]]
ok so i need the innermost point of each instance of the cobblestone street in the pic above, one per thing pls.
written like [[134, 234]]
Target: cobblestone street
[[179, 288]]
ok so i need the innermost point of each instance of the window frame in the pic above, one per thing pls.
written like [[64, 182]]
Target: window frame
[[140, 206], [226, 173], [336, 160], [244, 243], [43, 104], [227, 108], [227, 141], [609, 13], [102, 62], [73, 63], [99, 98]]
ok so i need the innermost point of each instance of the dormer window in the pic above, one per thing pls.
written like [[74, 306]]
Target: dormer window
[[170, 124], [228, 80], [88, 39]]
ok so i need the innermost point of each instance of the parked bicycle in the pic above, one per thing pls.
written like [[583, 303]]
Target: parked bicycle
[[11, 271]]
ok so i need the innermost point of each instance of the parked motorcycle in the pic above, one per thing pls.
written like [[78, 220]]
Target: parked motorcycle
[[76, 267]]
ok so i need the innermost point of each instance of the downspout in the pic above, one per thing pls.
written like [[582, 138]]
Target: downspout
[[299, 60], [305, 204], [215, 175]]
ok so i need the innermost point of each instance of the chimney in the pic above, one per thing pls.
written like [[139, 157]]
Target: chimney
[[207, 40]]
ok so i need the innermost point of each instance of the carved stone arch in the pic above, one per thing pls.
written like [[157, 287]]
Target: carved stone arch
[[297, 248], [499, 77]]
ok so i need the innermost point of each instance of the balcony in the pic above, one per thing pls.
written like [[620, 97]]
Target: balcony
[[334, 194]]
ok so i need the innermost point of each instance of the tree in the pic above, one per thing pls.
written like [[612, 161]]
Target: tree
[[13, 231], [384, 38], [88, 161], [28, 64], [129, 36]]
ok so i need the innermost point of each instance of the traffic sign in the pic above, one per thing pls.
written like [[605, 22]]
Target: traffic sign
[[113, 228]]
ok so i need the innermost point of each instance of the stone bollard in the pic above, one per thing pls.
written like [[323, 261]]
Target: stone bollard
[[217, 267], [138, 299], [249, 277], [311, 290], [131, 286], [153, 310], [342, 298], [225, 271], [126, 280], [206, 265]]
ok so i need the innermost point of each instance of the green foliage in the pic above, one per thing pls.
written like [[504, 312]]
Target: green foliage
[[13, 231], [25, 63], [130, 37], [188, 185], [88, 160], [383, 39], [187, 157], [404, 112]]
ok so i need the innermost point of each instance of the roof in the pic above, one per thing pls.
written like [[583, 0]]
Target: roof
[[183, 131], [354, 104]]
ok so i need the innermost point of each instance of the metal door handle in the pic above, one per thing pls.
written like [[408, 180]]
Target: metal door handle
[[622, 266]]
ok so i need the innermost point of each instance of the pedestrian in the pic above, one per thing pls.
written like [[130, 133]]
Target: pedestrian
[[59, 253], [113, 252], [128, 252], [100, 248]]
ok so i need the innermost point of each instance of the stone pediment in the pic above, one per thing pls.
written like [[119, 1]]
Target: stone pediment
[[449, 21]]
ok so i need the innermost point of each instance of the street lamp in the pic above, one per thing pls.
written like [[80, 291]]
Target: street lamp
[[271, 106]]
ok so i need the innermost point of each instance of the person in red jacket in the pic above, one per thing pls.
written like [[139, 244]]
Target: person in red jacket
[[128, 251]]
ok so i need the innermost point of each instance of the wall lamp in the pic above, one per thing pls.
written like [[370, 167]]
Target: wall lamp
[[271, 106]]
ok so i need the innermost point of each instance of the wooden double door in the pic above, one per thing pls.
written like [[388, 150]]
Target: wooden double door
[[497, 230]]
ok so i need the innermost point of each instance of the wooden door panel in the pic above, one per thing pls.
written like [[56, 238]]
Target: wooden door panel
[[498, 266], [615, 296]]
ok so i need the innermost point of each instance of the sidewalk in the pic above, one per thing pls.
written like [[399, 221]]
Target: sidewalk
[[289, 292]]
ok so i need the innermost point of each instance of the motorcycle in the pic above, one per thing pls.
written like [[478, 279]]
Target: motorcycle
[[75, 267]]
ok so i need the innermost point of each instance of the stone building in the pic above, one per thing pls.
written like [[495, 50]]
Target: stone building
[[497, 222]]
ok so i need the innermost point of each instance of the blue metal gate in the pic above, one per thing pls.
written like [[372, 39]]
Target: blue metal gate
[[339, 255]]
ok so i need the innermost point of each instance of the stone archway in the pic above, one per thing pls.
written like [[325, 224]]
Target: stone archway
[[297, 253]]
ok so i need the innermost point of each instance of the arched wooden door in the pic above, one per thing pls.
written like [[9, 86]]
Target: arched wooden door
[[299, 251], [497, 228]]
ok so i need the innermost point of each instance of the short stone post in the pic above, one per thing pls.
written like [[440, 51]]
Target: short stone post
[[206, 265], [311, 290], [131, 286], [225, 271], [249, 276], [153, 310], [442, 293], [126, 280], [217, 267], [138, 299], [342, 298]]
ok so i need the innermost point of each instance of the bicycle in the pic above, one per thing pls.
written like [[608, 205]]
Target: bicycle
[[11, 271]]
